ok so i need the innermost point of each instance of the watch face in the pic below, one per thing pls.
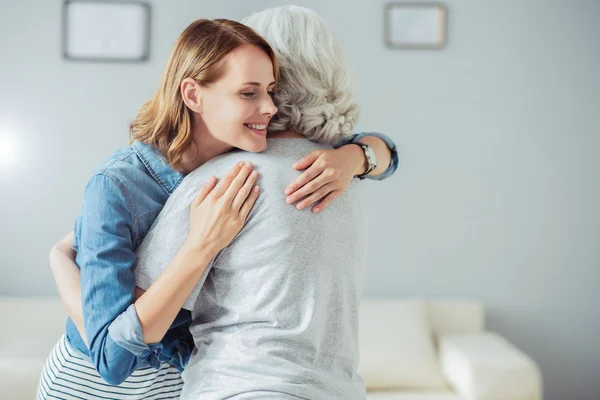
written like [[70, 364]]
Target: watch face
[[371, 155]]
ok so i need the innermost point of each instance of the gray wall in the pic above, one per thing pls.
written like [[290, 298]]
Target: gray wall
[[498, 190]]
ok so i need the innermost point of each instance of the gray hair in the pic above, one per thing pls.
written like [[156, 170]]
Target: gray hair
[[315, 93]]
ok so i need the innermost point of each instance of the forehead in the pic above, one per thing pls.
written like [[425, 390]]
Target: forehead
[[248, 63]]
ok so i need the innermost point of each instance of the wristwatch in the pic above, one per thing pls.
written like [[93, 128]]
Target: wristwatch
[[370, 156]]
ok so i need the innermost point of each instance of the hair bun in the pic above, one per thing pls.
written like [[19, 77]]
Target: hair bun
[[336, 123]]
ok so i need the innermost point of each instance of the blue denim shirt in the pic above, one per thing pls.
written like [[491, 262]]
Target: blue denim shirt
[[121, 201]]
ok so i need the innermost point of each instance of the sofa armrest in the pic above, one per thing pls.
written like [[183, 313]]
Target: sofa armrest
[[485, 366]]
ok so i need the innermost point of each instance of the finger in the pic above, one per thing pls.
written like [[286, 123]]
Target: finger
[[244, 192], [308, 189], [68, 240], [204, 190], [237, 183], [224, 183], [303, 179], [67, 244], [308, 160], [316, 196], [249, 203], [327, 200]]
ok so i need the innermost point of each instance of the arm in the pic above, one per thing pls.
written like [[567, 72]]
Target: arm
[[66, 275], [215, 219], [329, 172], [176, 345], [485, 366], [385, 152], [122, 331], [68, 280]]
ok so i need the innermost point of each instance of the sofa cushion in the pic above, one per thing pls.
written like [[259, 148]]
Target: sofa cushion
[[478, 366], [455, 317], [396, 346]]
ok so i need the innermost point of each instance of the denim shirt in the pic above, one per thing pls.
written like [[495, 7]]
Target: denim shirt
[[121, 201]]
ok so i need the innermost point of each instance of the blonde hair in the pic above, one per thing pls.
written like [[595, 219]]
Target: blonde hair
[[315, 93], [164, 121]]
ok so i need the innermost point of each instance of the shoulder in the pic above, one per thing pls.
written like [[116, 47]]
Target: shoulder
[[104, 196], [122, 165], [118, 182], [124, 175]]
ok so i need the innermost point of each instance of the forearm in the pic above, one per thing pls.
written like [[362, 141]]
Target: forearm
[[160, 304], [120, 344], [67, 278], [382, 152]]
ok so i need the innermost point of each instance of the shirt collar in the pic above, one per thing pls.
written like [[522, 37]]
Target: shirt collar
[[158, 166]]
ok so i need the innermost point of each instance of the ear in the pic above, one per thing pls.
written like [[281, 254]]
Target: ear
[[191, 92]]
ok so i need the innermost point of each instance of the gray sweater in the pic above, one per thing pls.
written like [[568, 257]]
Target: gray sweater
[[277, 313]]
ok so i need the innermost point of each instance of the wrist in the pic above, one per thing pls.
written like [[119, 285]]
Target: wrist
[[356, 153], [198, 256]]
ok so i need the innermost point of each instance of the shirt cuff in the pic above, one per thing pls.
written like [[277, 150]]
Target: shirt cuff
[[391, 169], [126, 331]]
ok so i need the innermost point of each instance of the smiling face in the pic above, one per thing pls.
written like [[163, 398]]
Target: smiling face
[[237, 108]]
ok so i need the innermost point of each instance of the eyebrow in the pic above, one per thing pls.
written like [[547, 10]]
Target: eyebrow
[[257, 84]]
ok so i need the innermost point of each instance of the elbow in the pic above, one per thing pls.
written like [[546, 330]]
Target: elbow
[[112, 378], [113, 375], [114, 366], [116, 360]]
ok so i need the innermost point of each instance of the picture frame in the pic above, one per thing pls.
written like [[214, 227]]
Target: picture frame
[[106, 31], [415, 25]]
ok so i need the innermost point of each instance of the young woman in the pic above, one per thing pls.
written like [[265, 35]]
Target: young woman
[[215, 96]]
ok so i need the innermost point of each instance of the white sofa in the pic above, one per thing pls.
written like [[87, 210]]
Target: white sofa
[[439, 350], [30, 329], [410, 350]]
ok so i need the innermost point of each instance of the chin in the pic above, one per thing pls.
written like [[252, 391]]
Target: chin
[[257, 146]]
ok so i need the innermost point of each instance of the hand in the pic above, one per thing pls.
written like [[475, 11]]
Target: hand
[[65, 245], [219, 211], [328, 174]]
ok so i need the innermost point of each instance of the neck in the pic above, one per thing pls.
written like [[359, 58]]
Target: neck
[[204, 147]]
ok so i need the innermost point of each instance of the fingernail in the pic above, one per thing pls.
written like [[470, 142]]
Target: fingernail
[[316, 210], [300, 206], [289, 200], [241, 164], [254, 174], [249, 164], [256, 188]]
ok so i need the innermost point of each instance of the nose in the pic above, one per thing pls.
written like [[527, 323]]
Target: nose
[[268, 108]]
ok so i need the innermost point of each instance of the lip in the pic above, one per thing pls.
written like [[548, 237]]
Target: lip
[[257, 132]]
